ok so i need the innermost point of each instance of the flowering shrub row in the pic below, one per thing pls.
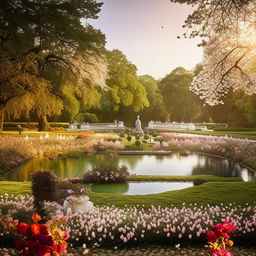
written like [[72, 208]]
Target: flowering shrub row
[[106, 174], [15, 150], [238, 149], [109, 225], [114, 226]]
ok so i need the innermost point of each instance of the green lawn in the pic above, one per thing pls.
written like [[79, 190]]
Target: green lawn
[[13, 187], [37, 134], [198, 178], [251, 134], [208, 193]]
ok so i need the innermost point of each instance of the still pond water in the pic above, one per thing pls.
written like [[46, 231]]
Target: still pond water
[[139, 188], [174, 164]]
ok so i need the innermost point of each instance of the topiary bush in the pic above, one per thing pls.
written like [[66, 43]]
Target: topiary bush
[[129, 138], [160, 139], [43, 188], [138, 143], [106, 174], [86, 118]]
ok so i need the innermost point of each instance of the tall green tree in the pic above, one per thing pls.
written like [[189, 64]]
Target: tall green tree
[[156, 109], [123, 86], [181, 104], [247, 104], [41, 35]]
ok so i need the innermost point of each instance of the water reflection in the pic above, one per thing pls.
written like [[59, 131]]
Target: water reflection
[[117, 188], [139, 188], [174, 164]]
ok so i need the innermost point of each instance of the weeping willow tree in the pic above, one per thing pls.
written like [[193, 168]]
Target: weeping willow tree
[[32, 43], [39, 101], [84, 93]]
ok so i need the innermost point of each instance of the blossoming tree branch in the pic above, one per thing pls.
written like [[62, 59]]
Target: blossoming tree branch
[[229, 40]]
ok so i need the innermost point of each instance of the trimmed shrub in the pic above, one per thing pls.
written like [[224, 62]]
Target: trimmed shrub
[[106, 174], [86, 118], [138, 143], [129, 138], [43, 189], [160, 139]]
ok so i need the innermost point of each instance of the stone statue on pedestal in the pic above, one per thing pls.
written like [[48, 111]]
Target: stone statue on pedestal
[[138, 128]]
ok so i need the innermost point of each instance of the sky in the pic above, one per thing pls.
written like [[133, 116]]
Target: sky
[[146, 32]]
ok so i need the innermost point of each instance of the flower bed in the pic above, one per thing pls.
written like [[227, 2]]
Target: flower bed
[[238, 149], [106, 174], [111, 226]]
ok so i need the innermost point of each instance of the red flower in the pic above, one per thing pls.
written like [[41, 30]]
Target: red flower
[[36, 240], [36, 217], [211, 236], [22, 228], [45, 239], [228, 226], [19, 244], [43, 229], [38, 248], [60, 248]]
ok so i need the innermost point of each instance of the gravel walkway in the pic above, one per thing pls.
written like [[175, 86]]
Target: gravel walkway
[[165, 251], [150, 251]]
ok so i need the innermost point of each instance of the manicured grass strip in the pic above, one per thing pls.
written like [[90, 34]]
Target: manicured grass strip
[[208, 193], [12, 187], [212, 193], [198, 178], [130, 145]]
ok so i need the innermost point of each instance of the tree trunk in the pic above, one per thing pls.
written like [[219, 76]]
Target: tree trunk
[[43, 124], [2, 108]]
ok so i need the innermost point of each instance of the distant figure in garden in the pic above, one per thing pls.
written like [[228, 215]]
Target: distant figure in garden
[[20, 129], [138, 128]]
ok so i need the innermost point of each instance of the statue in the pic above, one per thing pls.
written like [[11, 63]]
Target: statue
[[138, 128], [79, 204]]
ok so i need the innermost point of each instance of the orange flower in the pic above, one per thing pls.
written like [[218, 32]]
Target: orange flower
[[35, 229], [36, 217], [229, 243]]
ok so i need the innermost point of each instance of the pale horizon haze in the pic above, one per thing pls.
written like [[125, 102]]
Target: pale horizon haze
[[146, 32]]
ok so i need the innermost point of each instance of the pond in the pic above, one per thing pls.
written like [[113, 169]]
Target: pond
[[173, 164], [139, 188]]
